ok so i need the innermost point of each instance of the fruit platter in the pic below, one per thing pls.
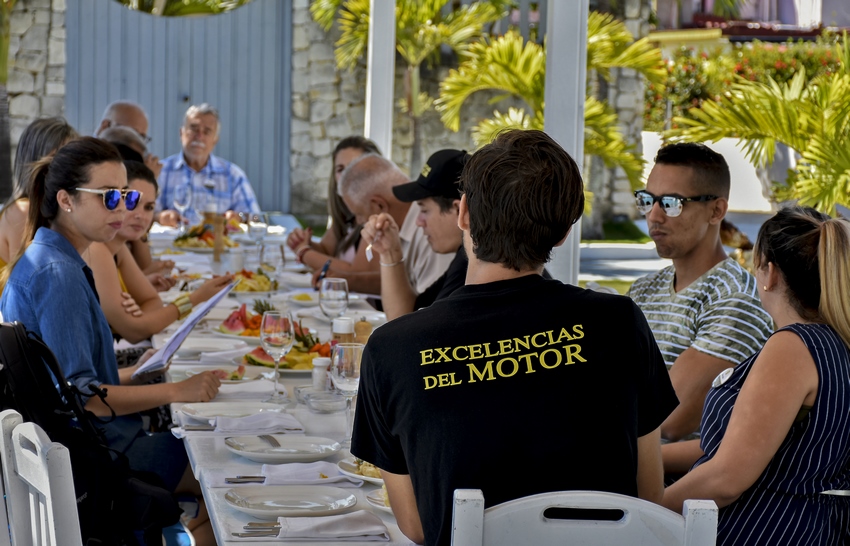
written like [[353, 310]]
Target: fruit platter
[[202, 237], [306, 347], [243, 323], [254, 281]]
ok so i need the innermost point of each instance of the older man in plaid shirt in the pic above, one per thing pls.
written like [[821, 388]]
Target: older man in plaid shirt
[[218, 185]]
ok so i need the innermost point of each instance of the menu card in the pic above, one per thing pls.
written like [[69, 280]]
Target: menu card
[[160, 359]]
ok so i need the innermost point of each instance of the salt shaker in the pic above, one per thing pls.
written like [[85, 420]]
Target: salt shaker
[[321, 365], [342, 330]]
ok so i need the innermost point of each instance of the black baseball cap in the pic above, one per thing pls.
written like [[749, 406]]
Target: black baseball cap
[[439, 177]]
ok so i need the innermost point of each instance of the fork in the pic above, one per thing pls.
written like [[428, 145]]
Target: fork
[[271, 440]]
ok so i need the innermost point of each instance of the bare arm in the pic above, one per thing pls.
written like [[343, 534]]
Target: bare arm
[[12, 225], [782, 379], [679, 457], [135, 398], [403, 503], [691, 375], [367, 282], [650, 475], [397, 296]]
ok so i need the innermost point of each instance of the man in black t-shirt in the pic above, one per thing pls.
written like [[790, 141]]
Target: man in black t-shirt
[[437, 195], [514, 384]]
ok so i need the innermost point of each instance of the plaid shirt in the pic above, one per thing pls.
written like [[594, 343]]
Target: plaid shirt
[[219, 183]]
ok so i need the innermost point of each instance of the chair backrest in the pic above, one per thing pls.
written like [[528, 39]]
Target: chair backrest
[[584, 517], [44, 467], [13, 488]]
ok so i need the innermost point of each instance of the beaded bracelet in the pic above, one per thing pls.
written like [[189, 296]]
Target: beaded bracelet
[[301, 252]]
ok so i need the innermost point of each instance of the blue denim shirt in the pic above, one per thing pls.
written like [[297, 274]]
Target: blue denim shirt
[[51, 292], [219, 183]]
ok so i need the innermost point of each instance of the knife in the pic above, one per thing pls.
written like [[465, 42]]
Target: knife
[[245, 479], [249, 534], [198, 427]]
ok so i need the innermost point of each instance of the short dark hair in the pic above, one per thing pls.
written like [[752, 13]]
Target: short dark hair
[[524, 192], [445, 203], [711, 172], [139, 171]]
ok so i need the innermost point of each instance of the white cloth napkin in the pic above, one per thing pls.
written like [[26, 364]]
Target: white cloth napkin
[[224, 357], [359, 526], [260, 388], [260, 423], [295, 280], [286, 474]]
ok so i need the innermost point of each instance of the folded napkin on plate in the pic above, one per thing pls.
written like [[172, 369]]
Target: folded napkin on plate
[[286, 474], [359, 526], [224, 357], [295, 280], [260, 423], [246, 389]]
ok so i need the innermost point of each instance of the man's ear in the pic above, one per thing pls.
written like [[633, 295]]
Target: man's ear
[[463, 214], [104, 124], [718, 211], [377, 205]]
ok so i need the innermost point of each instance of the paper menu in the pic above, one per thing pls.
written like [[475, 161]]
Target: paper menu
[[160, 358]]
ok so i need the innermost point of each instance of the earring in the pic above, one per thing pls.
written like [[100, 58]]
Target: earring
[[67, 210], [765, 287]]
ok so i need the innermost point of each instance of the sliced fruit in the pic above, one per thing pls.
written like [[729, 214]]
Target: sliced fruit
[[243, 313], [233, 324], [258, 357]]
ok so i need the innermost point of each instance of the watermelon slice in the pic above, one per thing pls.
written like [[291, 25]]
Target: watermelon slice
[[258, 357], [243, 313], [233, 324]]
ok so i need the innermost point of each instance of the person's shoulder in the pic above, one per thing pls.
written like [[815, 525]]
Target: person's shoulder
[[652, 281], [171, 163], [219, 164], [729, 279]]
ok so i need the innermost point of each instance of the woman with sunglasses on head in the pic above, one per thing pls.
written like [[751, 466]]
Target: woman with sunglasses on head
[[79, 197], [41, 137], [117, 275], [776, 428]]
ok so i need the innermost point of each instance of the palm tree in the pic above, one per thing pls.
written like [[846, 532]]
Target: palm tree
[[812, 118], [180, 8], [518, 69], [5, 138], [421, 30]]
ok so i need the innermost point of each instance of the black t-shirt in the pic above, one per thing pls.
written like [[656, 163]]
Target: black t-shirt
[[514, 387], [451, 280]]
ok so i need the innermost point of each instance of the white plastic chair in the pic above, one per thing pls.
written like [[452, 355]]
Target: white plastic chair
[[40, 490], [13, 488], [526, 521]]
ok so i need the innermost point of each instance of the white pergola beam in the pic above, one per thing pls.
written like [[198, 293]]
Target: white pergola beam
[[566, 76], [380, 74]]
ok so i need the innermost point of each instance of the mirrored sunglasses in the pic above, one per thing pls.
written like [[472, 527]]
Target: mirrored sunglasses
[[112, 197], [670, 204]]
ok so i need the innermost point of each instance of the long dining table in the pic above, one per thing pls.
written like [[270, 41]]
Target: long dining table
[[208, 455]]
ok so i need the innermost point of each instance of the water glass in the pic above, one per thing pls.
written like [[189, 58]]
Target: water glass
[[257, 228], [277, 336], [333, 297], [182, 202], [345, 375]]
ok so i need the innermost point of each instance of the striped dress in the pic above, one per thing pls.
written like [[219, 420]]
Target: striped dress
[[784, 506], [719, 314]]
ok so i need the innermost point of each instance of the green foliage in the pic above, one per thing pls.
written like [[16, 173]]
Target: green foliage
[[811, 115], [694, 76], [181, 8]]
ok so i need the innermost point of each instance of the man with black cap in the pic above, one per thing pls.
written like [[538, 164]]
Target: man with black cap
[[437, 194]]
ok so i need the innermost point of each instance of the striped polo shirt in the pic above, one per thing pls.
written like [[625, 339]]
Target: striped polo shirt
[[719, 314]]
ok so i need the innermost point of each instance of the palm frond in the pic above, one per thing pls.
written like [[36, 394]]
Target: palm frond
[[354, 23], [515, 118], [505, 64], [603, 138], [324, 11], [610, 45]]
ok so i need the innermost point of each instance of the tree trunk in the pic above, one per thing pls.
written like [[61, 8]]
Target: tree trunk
[[415, 121], [5, 138]]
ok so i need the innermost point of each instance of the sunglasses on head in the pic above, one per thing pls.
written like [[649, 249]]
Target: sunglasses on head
[[112, 197], [670, 204]]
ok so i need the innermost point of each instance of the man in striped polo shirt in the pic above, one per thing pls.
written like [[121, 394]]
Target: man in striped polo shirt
[[704, 310]]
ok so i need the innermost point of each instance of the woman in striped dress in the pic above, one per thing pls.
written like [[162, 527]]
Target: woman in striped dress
[[776, 428]]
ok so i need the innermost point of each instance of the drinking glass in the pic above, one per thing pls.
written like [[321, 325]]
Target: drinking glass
[[333, 297], [276, 336], [345, 374], [257, 228], [182, 201]]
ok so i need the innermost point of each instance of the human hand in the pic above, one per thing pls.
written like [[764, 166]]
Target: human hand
[[160, 282], [298, 237], [152, 163], [169, 218], [147, 376], [381, 232], [210, 288], [330, 273], [130, 305], [163, 265], [199, 388]]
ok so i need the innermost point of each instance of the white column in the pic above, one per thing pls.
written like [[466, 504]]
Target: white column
[[380, 74], [566, 74]]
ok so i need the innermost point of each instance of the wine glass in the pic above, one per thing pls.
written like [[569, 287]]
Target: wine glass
[[257, 228], [276, 336], [333, 297], [182, 201], [345, 374]]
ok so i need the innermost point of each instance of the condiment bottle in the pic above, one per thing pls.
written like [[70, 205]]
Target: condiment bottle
[[362, 330], [321, 365], [342, 330]]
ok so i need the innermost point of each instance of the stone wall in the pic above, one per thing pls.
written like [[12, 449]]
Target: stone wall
[[36, 63]]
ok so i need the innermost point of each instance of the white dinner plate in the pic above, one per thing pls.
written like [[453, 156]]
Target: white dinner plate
[[192, 348], [242, 408], [282, 371], [249, 297], [250, 340], [202, 249], [293, 448], [296, 280], [375, 318], [225, 368], [375, 499], [349, 468], [310, 298], [270, 502]]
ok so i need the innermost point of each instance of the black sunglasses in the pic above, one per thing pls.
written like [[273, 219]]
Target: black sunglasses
[[670, 204], [112, 197]]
